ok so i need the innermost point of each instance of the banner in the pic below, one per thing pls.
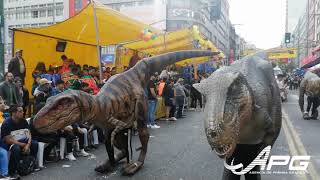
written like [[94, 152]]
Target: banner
[[288, 53], [107, 58]]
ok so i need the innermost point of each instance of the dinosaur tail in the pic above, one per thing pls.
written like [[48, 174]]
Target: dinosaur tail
[[158, 63]]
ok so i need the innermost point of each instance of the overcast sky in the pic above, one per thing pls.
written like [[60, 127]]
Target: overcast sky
[[263, 21]]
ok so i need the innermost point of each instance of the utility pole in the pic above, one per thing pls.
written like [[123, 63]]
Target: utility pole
[[1, 38], [308, 24], [54, 12], [287, 14]]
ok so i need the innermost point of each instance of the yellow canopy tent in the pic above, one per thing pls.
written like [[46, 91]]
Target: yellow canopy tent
[[79, 32], [173, 41]]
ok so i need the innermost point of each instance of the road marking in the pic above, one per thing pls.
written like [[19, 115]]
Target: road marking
[[296, 146]]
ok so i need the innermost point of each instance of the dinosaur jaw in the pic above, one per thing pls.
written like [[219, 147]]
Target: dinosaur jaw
[[225, 150], [63, 110], [52, 121]]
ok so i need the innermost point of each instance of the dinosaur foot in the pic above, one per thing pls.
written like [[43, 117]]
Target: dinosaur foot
[[105, 167], [131, 168]]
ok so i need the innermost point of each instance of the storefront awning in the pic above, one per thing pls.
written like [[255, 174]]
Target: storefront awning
[[185, 39]]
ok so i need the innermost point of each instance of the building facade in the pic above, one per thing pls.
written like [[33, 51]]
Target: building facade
[[152, 12], [75, 6], [30, 14]]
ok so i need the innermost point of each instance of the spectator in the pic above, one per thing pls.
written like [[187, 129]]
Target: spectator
[[113, 71], [3, 107], [39, 70], [59, 88], [68, 135], [152, 103], [4, 163], [9, 92], [17, 65], [79, 131], [169, 101], [24, 93], [195, 97], [134, 59], [107, 74], [165, 74], [35, 84], [16, 133], [87, 78], [51, 141], [42, 93], [65, 65], [180, 96]]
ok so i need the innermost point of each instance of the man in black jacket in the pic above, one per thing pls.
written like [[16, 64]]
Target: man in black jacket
[[9, 92], [17, 66]]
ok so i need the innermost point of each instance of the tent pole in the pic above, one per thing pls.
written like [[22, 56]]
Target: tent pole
[[97, 39]]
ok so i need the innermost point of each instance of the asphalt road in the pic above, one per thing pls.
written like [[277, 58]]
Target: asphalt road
[[179, 151]]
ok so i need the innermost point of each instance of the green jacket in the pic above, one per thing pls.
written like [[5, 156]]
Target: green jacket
[[10, 97]]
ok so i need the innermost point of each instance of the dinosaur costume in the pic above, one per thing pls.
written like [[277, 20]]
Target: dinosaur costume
[[310, 86], [243, 111], [120, 102]]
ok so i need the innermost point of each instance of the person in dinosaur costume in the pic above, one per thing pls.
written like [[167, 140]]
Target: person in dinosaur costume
[[121, 101], [242, 112], [310, 86]]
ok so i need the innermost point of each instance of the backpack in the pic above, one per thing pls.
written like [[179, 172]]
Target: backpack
[[26, 165]]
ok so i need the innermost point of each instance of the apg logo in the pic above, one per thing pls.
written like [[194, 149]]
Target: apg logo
[[261, 160]]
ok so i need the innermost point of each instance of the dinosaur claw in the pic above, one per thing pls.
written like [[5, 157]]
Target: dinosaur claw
[[132, 168]]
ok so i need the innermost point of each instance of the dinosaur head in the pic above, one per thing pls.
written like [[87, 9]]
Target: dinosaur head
[[65, 109], [229, 104]]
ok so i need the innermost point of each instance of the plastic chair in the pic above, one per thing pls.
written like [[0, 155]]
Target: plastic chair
[[62, 147]]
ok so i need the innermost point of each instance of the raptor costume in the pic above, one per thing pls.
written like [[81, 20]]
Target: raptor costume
[[310, 86], [243, 111], [120, 102]]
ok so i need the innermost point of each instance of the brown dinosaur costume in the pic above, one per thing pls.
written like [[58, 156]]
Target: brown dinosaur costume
[[310, 86], [120, 102]]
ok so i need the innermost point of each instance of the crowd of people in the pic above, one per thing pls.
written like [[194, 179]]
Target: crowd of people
[[21, 140]]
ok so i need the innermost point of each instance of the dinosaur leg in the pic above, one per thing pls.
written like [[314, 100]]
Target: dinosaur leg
[[121, 142], [141, 115]]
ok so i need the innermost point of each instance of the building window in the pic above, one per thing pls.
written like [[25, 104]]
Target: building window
[[34, 14], [59, 4], [50, 13], [59, 12], [43, 13], [50, 5], [19, 16], [42, 5], [26, 15], [34, 25], [42, 24]]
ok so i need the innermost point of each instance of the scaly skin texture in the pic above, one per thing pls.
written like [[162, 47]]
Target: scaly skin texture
[[120, 102], [310, 86], [243, 106]]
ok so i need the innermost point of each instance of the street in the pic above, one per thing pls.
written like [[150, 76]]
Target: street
[[179, 150]]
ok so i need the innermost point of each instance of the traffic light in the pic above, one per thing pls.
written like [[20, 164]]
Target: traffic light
[[287, 38]]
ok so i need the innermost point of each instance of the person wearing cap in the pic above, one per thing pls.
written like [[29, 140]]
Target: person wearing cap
[[42, 93], [17, 65]]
